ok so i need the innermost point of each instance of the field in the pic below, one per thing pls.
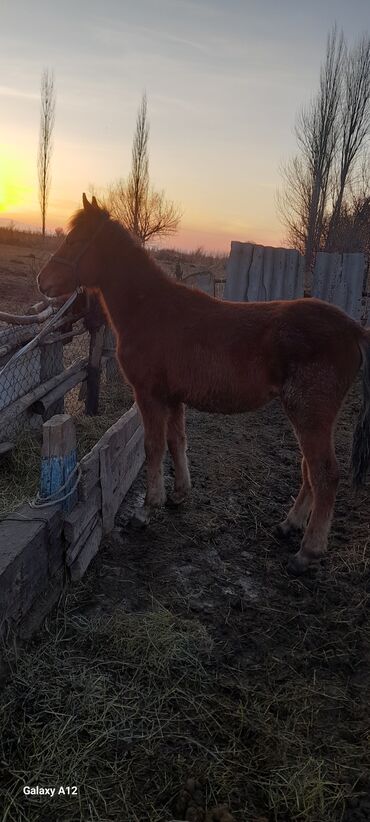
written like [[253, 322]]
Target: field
[[23, 253], [189, 676]]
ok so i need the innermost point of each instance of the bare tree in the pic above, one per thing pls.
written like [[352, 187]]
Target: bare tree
[[317, 135], [354, 123], [135, 203], [352, 228], [293, 202], [47, 117], [138, 181], [321, 203]]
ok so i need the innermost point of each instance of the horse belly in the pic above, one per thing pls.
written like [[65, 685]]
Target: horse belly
[[228, 395], [220, 404]]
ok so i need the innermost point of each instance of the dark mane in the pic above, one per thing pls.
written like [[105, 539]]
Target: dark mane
[[80, 218], [141, 258]]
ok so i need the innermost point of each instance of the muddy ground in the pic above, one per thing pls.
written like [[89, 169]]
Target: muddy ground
[[218, 561], [281, 728]]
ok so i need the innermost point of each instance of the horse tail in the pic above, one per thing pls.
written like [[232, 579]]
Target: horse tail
[[361, 437]]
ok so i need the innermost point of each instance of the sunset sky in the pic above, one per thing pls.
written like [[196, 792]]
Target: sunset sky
[[224, 80]]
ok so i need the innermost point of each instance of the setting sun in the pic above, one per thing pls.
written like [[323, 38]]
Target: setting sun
[[13, 191]]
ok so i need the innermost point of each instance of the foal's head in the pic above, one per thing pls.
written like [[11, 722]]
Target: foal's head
[[77, 261]]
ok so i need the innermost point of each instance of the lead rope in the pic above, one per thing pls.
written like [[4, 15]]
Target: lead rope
[[52, 499]]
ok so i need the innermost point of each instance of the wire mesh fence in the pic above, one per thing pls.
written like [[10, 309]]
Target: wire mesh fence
[[56, 375]]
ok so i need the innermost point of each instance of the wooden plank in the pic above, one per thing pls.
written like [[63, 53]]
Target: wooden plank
[[116, 437], [37, 307], [59, 459], [292, 283], [31, 552], [268, 273], [237, 271], [26, 319], [338, 279], [126, 469], [76, 520], [354, 276], [73, 550], [106, 483], [255, 286], [87, 553], [93, 371], [47, 403], [324, 275]]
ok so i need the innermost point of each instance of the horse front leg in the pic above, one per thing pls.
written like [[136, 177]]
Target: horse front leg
[[176, 440], [155, 417]]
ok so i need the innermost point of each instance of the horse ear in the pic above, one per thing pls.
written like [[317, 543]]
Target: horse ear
[[94, 202], [85, 202]]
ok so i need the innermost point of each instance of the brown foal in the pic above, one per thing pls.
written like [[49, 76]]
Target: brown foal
[[178, 346]]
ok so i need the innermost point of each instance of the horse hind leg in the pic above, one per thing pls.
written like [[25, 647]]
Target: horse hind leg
[[323, 473], [298, 514], [176, 440]]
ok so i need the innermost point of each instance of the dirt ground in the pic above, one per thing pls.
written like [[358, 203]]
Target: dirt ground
[[265, 712], [20, 264], [217, 560]]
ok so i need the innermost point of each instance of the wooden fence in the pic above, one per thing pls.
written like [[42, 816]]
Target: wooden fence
[[256, 272], [341, 279], [206, 281], [43, 548], [33, 388], [107, 473]]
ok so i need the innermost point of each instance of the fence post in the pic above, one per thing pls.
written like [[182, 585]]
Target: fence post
[[51, 365], [109, 352], [59, 459], [93, 371]]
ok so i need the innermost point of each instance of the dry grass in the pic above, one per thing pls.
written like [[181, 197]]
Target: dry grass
[[10, 235], [115, 399], [125, 707], [266, 703], [20, 471]]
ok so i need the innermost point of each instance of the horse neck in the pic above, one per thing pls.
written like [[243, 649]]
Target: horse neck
[[130, 278]]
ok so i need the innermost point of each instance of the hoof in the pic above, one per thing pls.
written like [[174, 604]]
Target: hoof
[[176, 498], [287, 530], [282, 530], [295, 567], [141, 517], [299, 564]]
